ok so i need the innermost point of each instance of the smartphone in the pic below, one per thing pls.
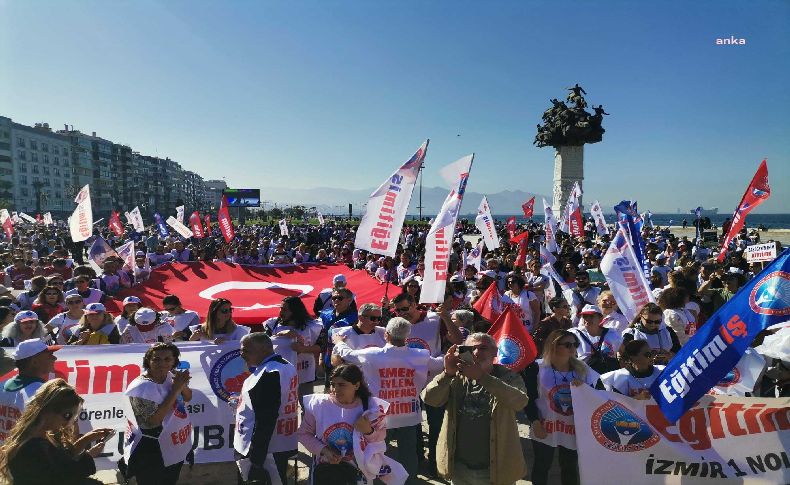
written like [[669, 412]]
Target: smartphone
[[465, 354], [182, 365], [108, 436]]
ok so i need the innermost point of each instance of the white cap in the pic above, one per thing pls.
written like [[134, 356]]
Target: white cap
[[490, 273], [25, 315], [590, 309], [32, 347], [95, 308], [131, 299], [145, 316]]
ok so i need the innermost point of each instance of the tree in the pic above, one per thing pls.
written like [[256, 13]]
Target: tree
[[296, 212], [276, 213]]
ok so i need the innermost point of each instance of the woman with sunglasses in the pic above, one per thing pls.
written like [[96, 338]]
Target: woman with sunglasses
[[96, 327], [638, 372], [219, 326], [548, 384], [157, 400], [649, 325], [48, 303], [64, 323], [295, 323], [42, 448]]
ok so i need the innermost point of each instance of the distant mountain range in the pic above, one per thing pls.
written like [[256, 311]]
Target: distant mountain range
[[335, 201]]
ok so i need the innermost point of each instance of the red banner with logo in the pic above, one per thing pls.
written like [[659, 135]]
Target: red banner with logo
[[207, 227], [224, 221], [115, 224], [195, 225], [255, 291], [757, 192], [515, 347], [528, 207], [8, 228], [576, 223], [511, 225]]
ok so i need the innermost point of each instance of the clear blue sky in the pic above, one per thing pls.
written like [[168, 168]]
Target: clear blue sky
[[338, 93]]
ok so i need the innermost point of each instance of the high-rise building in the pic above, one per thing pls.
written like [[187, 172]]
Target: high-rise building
[[214, 190]]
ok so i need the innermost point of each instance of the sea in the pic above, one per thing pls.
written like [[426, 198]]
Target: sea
[[771, 221]]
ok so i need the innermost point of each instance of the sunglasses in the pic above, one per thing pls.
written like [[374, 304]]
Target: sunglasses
[[647, 320], [403, 309], [338, 298], [73, 302], [373, 318], [569, 345], [226, 311]]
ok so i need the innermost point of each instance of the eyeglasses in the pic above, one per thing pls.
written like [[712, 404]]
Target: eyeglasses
[[647, 320], [403, 309], [226, 311], [372, 318], [569, 345]]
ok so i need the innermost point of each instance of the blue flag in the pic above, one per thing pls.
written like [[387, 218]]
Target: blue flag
[[160, 223], [629, 218], [718, 346]]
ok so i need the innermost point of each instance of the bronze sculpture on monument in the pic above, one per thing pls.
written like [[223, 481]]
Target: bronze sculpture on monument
[[567, 129]]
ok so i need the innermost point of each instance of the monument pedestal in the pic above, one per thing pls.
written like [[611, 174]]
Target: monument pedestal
[[568, 168]]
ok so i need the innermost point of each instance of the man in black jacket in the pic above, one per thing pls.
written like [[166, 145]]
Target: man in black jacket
[[266, 414]]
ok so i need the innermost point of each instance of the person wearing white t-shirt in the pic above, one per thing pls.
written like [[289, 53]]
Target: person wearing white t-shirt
[[598, 346], [612, 317], [638, 372], [130, 305], [146, 327], [525, 299], [67, 321], [363, 334], [219, 326], [178, 318]]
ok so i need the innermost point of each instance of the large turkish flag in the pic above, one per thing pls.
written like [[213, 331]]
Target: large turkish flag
[[255, 291]]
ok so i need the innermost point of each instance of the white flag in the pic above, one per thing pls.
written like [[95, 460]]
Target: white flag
[[4, 215], [179, 227], [126, 253], [381, 225], [27, 218], [438, 244], [475, 256], [180, 214], [484, 223], [136, 219], [284, 228], [550, 227], [47, 219], [320, 218], [625, 276], [81, 222], [600, 222], [14, 217], [743, 377], [570, 205]]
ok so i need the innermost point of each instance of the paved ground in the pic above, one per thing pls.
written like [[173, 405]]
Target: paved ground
[[225, 473]]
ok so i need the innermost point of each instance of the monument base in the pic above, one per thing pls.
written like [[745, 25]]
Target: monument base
[[568, 168]]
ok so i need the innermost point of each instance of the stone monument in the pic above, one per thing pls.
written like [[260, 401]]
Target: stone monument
[[567, 129]]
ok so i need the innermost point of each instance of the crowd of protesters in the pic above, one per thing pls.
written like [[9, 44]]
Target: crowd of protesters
[[470, 405]]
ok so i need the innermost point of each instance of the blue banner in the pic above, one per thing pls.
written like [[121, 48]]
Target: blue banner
[[718, 346], [160, 224], [629, 217]]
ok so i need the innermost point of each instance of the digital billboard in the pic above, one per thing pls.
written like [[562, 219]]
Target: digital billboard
[[243, 197]]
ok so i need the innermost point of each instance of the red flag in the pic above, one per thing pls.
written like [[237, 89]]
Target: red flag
[[576, 223], [490, 304], [207, 227], [757, 192], [519, 237], [255, 291], [115, 224], [197, 227], [224, 221], [515, 347], [511, 225], [521, 259], [528, 207], [38, 219], [8, 228]]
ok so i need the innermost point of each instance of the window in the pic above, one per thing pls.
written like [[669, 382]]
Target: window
[[21, 154], [46, 182], [58, 195], [20, 141], [46, 158], [23, 179], [56, 161], [55, 149], [56, 171], [25, 192], [33, 145], [45, 147], [46, 170], [33, 156], [34, 169]]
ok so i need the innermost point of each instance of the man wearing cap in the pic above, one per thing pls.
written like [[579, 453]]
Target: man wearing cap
[[598, 346], [397, 373], [35, 360], [662, 267], [323, 301], [461, 296]]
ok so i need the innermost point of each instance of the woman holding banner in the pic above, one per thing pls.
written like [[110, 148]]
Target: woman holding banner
[[160, 437], [649, 325], [638, 372], [550, 409]]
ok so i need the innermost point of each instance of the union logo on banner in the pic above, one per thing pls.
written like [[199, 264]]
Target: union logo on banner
[[618, 429], [771, 295]]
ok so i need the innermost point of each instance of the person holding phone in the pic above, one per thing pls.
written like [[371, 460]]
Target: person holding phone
[[42, 448], [157, 400]]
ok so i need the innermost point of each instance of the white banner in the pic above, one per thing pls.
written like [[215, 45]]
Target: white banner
[[81, 221], [625, 277], [4, 215], [475, 256], [570, 205], [484, 222], [720, 440], [381, 225], [136, 219], [101, 373], [180, 228], [284, 228], [550, 227], [47, 219], [600, 222], [27, 218], [320, 218], [438, 244], [126, 253], [761, 253], [180, 214]]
